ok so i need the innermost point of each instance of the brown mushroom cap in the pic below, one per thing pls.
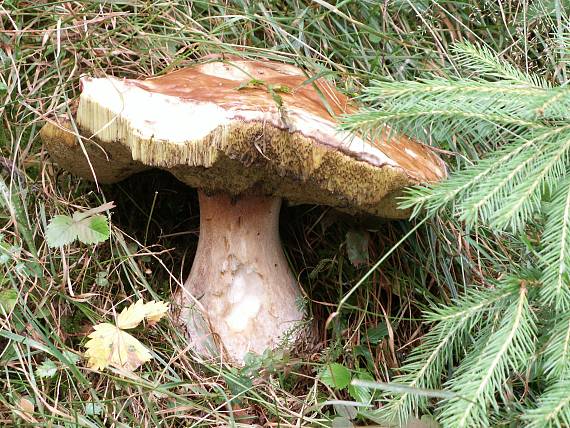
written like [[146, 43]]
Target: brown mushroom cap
[[240, 126]]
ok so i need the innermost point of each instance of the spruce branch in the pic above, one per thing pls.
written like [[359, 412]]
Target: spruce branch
[[480, 377], [512, 126], [487, 64], [481, 186], [549, 166], [553, 408], [454, 324], [557, 352], [555, 254]]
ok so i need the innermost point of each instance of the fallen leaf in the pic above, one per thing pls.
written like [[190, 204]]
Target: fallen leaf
[[133, 315], [155, 311], [111, 346]]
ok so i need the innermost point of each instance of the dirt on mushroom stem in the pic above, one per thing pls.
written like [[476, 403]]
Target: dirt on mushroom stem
[[240, 296]]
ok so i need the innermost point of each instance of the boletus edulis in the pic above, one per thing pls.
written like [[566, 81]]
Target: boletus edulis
[[246, 134]]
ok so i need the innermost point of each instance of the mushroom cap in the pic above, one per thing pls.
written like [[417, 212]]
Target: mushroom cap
[[238, 125]]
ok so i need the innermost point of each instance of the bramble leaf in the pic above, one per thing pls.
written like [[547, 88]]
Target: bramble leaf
[[111, 346], [335, 375], [89, 227], [93, 230], [46, 369], [132, 316], [60, 231]]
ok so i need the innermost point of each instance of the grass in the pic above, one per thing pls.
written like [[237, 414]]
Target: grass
[[46, 45]]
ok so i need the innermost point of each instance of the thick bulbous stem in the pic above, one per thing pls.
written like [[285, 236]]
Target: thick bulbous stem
[[240, 296]]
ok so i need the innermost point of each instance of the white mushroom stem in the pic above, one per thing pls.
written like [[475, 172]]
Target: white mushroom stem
[[249, 300]]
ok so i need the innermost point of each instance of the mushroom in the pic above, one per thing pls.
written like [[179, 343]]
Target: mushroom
[[246, 134]]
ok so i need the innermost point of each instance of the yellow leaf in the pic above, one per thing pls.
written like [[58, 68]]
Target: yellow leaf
[[110, 346], [155, 311], [132, 316]]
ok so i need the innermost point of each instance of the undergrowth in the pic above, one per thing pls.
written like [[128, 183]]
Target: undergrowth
[[56, 295]]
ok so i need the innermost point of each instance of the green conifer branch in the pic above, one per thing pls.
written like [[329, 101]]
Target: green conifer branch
[[454, 324], [553, 409], [478, 380], [555, 254], [557, 352]]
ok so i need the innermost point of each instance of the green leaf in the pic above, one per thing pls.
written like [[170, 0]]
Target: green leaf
[[376, 334], [359, 393], [93, 409], [47, 369], [357, 247], [335, 375], [8, 300], [63, 229], [60, 231], [93, 230], [237, 382], [101, 279], [71, 357]]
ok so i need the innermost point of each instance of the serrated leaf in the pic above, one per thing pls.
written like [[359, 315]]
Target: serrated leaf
[[92, 409], [89, 227], [237, 382], [93, 230], [8, 300], [155, 311], [359, 393], [60, 231], [335, 375], [46, 369], [111, 346], [133, 315], [101, 279]]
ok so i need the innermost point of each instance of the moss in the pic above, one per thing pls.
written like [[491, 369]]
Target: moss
[[240, 158]]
